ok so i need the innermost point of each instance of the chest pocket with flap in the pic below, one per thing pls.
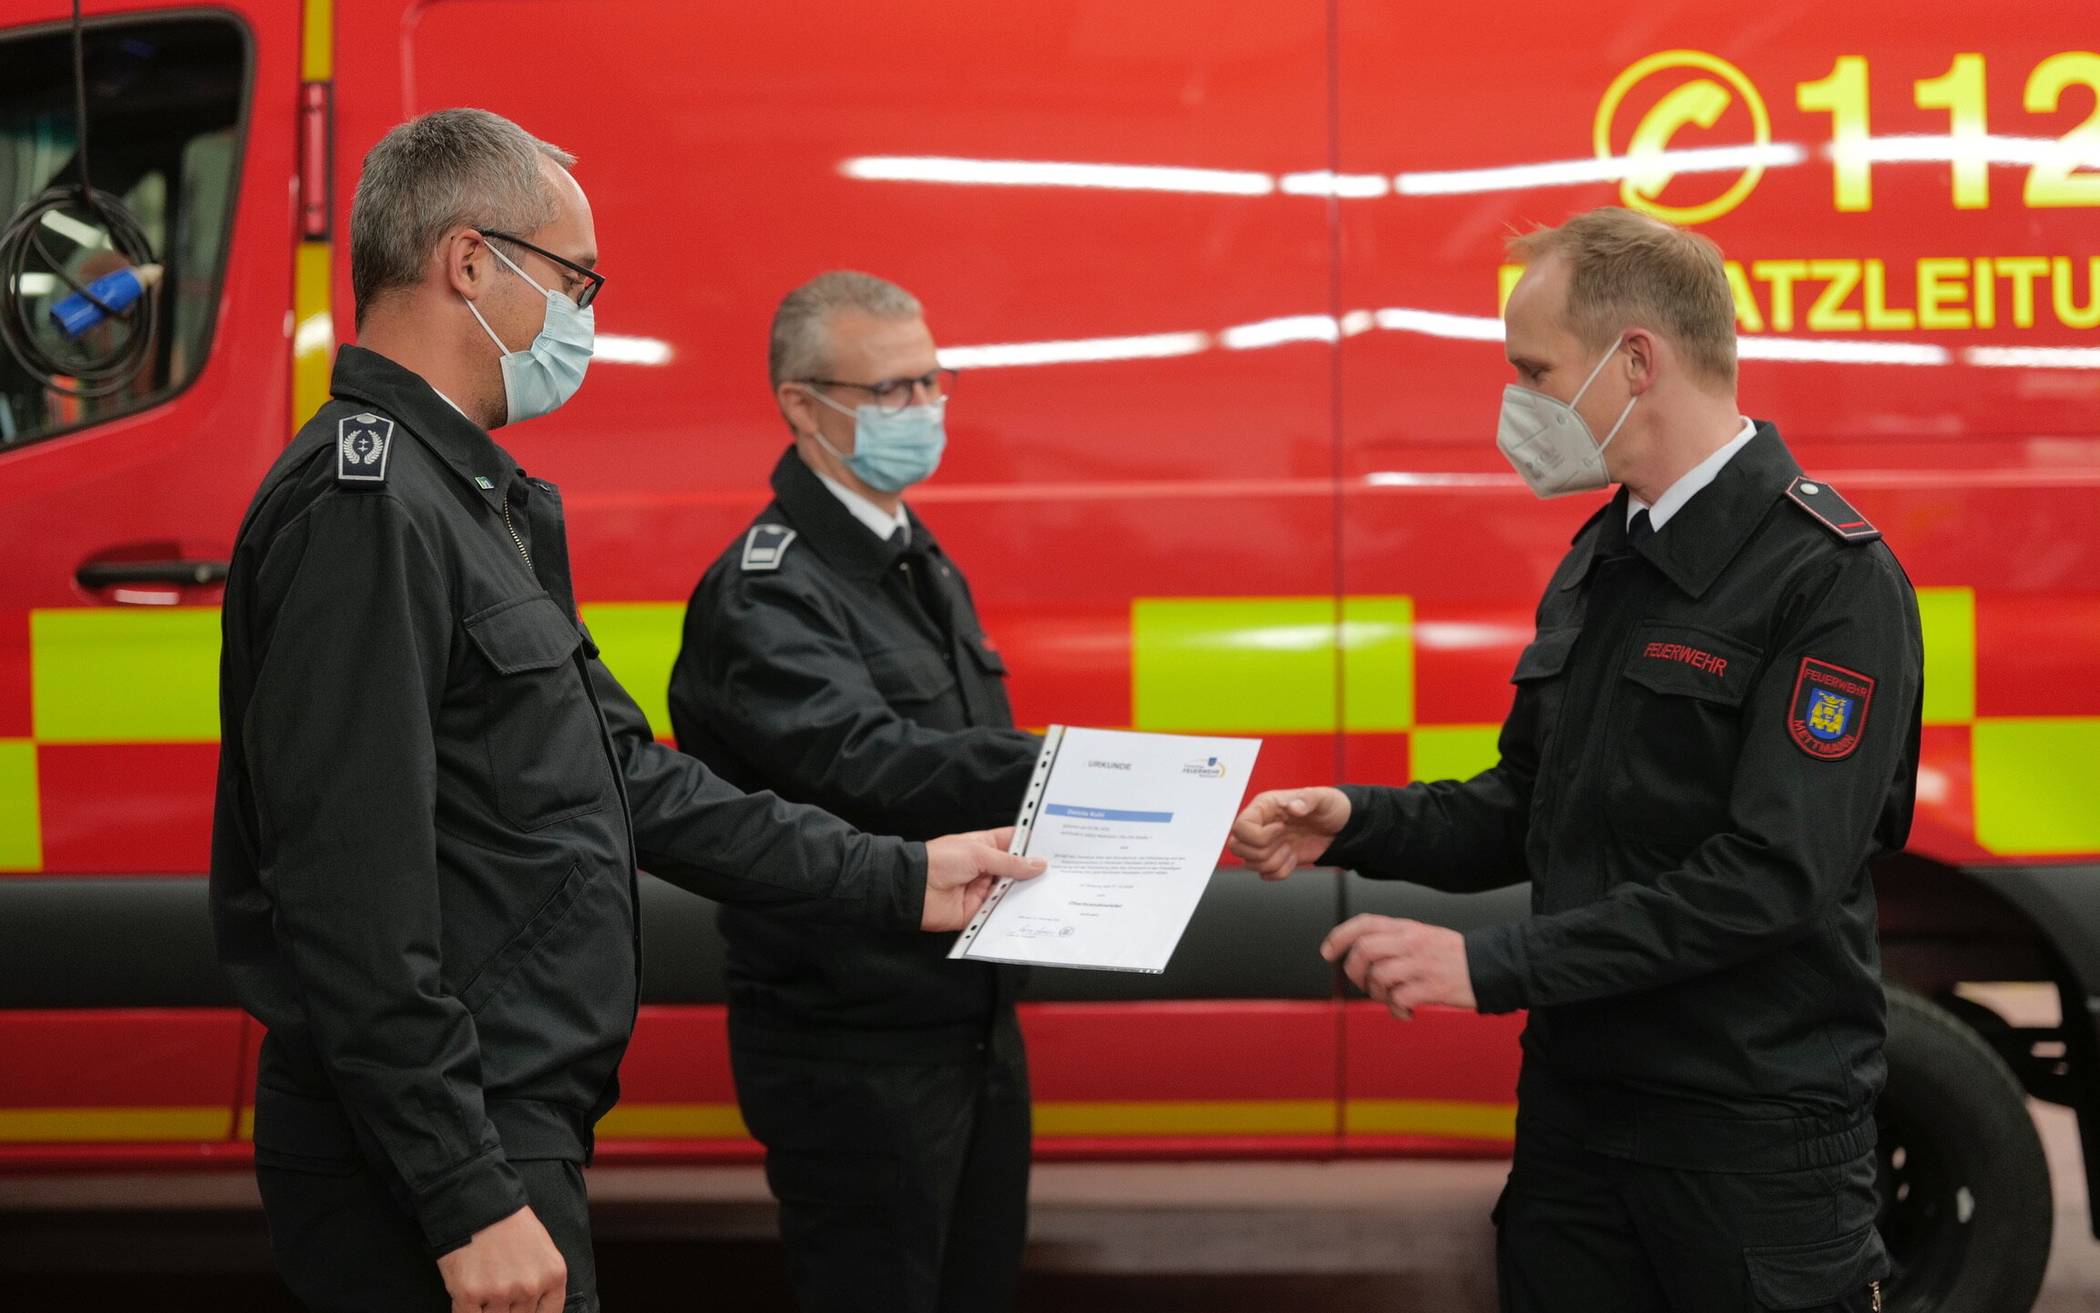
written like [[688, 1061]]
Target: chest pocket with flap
[[1680, 705], [988, 657], [1541, 686], [545, 759], [908, 678]]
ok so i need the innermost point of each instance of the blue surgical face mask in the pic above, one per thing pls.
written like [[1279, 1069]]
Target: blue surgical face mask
[[537, 380], [892, 449]]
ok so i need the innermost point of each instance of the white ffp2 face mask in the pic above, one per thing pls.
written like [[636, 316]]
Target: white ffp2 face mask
[[1548, 443]]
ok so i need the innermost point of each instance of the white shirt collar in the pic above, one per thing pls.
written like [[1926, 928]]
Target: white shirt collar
[[881, 523], [1691, 483], [454, 404]]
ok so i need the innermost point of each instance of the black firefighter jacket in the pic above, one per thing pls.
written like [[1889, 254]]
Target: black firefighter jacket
[[850, 672], [1713, 733], [432, 800]]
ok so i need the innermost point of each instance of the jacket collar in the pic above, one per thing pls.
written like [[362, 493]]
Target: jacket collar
[[1707, 532], [840, 538], [463, 445]]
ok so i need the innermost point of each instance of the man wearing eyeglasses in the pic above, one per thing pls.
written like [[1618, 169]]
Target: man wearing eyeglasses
[[433, 795], [833, 654]]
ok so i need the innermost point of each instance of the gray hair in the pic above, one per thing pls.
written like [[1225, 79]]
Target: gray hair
[[801, 343], [447, 169]]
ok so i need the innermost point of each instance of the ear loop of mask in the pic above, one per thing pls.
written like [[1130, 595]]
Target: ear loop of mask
[[472, 310], [1620, 422], [818, 433]]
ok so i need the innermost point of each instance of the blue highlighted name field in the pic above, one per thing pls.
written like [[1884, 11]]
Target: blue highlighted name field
[[1107, 814]]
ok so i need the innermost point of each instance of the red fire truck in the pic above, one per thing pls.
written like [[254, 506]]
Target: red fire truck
[[1223, 281]]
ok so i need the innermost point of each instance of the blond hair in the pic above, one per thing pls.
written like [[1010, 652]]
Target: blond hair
[[1627, 270]]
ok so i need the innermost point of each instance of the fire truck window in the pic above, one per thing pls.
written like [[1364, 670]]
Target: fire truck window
[[165, 111]]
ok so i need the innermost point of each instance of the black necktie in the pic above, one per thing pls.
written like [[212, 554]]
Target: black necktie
[[924, 572], [1640, 530]]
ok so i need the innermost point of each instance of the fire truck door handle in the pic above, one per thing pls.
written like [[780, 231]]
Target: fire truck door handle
[[181, 574]]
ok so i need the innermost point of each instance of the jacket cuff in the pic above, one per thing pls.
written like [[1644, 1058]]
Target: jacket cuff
[[903, 897], [1496, 963], [476, 1194], [1348, 848]]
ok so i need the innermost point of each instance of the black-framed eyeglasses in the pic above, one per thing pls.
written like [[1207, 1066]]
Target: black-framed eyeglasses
[[592, 279], [894, 394]]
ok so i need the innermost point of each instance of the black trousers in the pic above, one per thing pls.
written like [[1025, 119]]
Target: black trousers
[[1580, 1232], [345, 1245], [902, 1187]]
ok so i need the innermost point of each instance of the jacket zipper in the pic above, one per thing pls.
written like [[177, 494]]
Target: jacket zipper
[[512, 530]]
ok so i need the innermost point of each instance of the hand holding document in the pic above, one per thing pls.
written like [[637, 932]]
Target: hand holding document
[[1131, 825], [963, 869]]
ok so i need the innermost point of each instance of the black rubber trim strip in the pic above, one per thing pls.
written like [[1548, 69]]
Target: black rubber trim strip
[[145, 941], [108, 942]]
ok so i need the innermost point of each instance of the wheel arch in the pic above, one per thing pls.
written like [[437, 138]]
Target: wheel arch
[[1943, 925]]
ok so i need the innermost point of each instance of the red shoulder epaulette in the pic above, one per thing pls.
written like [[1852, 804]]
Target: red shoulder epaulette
[[1833, 512]]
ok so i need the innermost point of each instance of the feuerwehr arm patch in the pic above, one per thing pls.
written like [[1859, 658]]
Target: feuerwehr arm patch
[[1833, 512], [362, 445], [766, 545], [1829, 710]]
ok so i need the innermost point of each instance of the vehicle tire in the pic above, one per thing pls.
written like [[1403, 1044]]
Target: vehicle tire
[[1966, 1208]]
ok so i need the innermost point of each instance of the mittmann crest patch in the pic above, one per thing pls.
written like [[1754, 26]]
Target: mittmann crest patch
[[1829, 710]]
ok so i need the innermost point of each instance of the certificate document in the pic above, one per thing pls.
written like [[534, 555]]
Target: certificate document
[[1132, 826]]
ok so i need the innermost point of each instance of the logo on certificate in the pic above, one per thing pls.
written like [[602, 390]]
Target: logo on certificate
[[1209, 768]]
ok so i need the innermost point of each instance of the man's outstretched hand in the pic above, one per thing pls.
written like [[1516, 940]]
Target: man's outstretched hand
[[960, 872], [1284, 829]]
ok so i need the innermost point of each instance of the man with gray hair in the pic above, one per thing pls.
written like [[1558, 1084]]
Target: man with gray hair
[[1713, 732], [833, 654], [432, 794]]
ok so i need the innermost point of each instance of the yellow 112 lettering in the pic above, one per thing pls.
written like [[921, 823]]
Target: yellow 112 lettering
[[2053, 178]]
